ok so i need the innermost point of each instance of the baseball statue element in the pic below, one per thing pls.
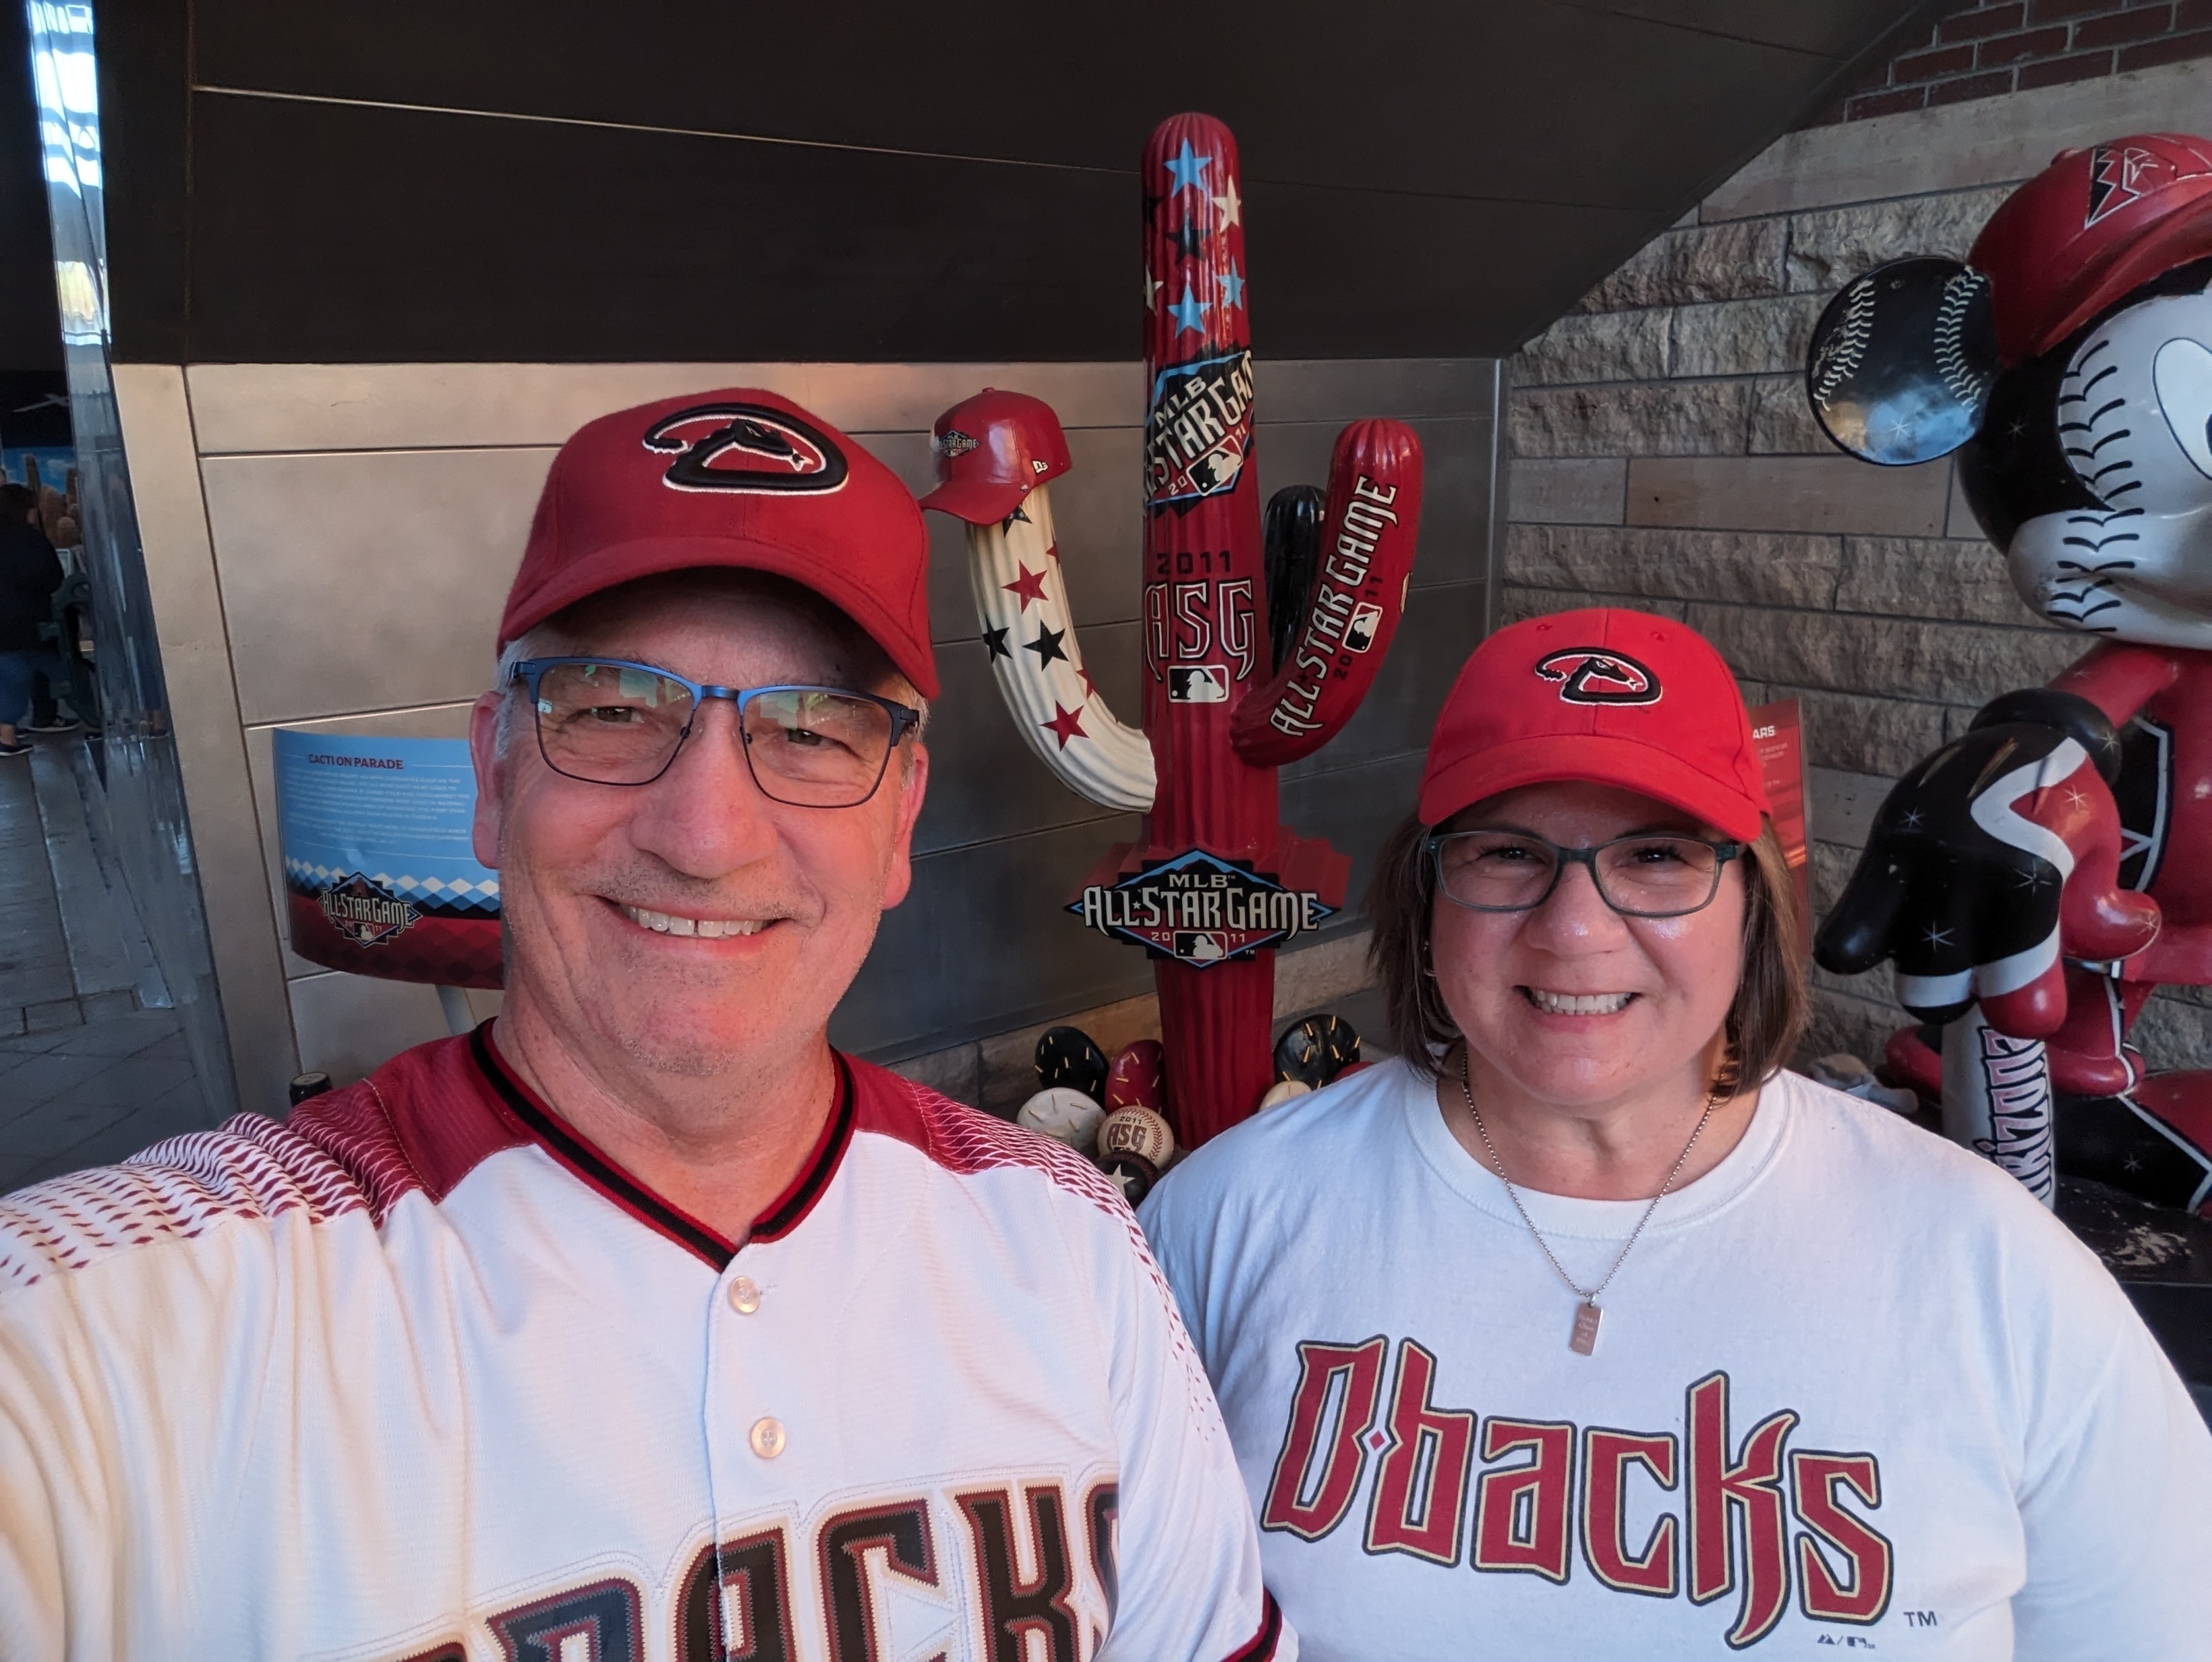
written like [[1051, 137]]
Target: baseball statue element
[[1138, 1078], [1254, 655], [1134, 1147], [1315, 1050], [1064, 1114], [2038, 878], [1070, 1056]]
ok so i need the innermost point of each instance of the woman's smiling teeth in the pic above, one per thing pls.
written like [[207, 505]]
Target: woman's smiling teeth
[[707, 929], [1576, 1003]]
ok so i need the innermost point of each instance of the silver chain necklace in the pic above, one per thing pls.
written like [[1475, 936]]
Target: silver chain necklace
[[1583, 1341]]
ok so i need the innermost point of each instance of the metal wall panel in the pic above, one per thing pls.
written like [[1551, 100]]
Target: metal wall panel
[[367, 581]]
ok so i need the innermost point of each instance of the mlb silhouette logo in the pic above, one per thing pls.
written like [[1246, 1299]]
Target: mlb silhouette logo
[[1359, 633], [1198, 684], [1200, 946]]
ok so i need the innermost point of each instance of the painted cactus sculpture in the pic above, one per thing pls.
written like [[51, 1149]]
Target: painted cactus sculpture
[[1217, 882]]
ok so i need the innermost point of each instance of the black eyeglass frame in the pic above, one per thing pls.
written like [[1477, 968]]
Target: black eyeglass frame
[[1432, 850], [528, 672]]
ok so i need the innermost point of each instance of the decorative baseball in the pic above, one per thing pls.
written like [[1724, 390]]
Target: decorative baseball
[[1216, 883], [1139, 1131], [1134, 1147], [1282, 1091], [1138, 1078], [1315, 1050], [1070, 1056], [1064, 1114], [2036, 880]]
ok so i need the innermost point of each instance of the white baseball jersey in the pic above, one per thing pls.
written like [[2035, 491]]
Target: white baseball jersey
[[1853, 1390], [421, 1374]]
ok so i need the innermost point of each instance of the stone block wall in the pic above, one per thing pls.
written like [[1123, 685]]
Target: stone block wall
[[1663, 456]]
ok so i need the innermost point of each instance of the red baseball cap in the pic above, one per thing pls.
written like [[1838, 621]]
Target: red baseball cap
[[1615, 696], [2092, 225], [742, 478], [992, 450]]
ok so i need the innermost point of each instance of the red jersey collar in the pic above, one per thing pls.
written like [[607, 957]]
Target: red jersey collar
[[515, 1102]]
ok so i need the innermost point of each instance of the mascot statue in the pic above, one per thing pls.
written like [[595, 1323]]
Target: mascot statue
[[1257, 647], [2034, 881]]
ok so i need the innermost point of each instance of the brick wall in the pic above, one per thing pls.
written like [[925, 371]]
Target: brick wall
[[1664, 456], [1991, 47]]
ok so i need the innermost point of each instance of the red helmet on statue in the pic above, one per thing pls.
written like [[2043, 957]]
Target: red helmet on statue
[[992, 450], [2094, 224]]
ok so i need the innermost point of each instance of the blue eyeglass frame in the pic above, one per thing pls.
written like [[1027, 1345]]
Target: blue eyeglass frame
[[529, 671], [1433, 855]]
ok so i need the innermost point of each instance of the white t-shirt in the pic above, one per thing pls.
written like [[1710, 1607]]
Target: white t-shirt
[[421, 1374], [1854, 1390]]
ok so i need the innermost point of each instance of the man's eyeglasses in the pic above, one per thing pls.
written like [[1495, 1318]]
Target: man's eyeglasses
[[614, 722], [1508, 871]]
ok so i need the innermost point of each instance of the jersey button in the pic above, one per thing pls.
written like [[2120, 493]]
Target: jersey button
[[745, 1295], [768, 1437]]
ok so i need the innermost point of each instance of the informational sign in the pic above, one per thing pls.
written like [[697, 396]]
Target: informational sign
[[1778, 737], [1200, 909], [379, 875]]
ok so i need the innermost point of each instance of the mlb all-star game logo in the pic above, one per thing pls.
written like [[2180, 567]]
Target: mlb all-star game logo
[[1200, 909], [1200, 429], [365, 914]]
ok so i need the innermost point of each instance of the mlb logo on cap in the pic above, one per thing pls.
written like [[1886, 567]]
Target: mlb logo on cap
[[1609, 695]]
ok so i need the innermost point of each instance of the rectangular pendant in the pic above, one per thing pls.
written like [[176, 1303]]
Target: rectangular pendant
[[1584, 1342]]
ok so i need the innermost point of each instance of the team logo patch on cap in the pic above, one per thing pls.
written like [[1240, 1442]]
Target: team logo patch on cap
[[745, 447], [954, 442], [1588, 676], [2120, 175]]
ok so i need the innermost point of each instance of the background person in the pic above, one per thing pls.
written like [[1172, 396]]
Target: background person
[[640, 1323], [1676, 1352], [30, 572]]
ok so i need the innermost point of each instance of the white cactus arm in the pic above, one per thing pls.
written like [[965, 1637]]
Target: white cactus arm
[[1022, 603]]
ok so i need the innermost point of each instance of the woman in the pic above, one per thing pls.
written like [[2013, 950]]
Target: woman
[[1584, 1331]]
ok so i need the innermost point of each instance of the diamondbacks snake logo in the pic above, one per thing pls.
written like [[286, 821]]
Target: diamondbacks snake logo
[[1587, 675], [745, 447]]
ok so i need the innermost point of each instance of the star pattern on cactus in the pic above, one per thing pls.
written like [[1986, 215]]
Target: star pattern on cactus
[[1029, 586], [1189, 240], [1090, 687], [1153, 286], [1047, 645], [1190, 312], [1186, 170], [1230, 205], [1232, 286], [1008, 523], [1065, 722], [994, 641]]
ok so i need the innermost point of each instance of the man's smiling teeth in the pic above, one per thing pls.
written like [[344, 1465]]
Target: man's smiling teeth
[[1577, 1003], [708, 928]]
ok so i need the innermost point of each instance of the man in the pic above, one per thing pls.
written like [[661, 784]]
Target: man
[[30, 572], [638, 1323]]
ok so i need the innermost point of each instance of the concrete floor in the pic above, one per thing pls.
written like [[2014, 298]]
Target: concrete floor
[[92, 1062]]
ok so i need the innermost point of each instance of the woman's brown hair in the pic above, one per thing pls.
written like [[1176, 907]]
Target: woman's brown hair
[[1763, 1021]]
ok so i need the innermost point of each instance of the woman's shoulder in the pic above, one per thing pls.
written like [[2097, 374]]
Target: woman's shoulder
[[1918, 1182], [1311, 1141]]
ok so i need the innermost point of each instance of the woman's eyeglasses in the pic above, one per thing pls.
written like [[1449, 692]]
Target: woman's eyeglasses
[[1508, 871]]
